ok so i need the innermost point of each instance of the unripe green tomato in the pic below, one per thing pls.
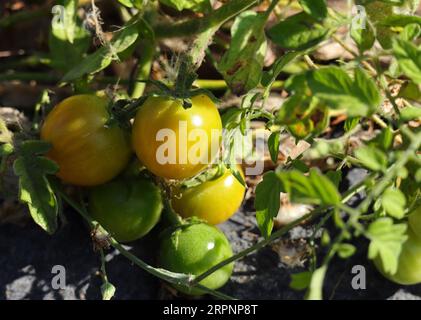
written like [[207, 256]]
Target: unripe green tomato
[[414, 221], [214, 201], [128, 210], [194, 249], [409, 265]]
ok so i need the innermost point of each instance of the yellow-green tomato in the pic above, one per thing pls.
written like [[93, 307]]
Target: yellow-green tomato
[[174, 142], [87, 151], [127, 209], [214, 201], [194, 249], [409, 265]]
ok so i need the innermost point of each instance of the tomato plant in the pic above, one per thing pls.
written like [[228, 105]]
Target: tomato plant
[[299, 93], [128, 209], [87, 150], [184, 153], [214, 201], [193, 249]]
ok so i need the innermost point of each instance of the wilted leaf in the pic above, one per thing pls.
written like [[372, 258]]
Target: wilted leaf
[[242, 64]]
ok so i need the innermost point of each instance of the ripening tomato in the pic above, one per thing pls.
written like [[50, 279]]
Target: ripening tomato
[[414, 220], [193, 249], [128, 209], [409, 265], [214, 201], [87, 151], [173, 142]]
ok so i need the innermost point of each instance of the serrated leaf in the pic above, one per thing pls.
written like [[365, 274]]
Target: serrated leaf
[[393, 202], [273, 145], [101, 58], [267, 202], [315, 290], [298, 32], [34, 189], [241, 66], [358, 97], [372, 158], [386, 240], [345, 250], [315, 8], [107, 290], [300, 281], [409, 59]]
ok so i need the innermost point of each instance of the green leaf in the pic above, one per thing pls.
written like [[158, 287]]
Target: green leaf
[[358, 97], [315, 290], [335, 176], [298, 32], [364, 38], [241, 66], [132, 3], [68, 39], [300, 281], [267, 202], [384, 140], [194, 5], [411, 32], [399, 20], [409, 59], [273, 144], [386, 240], [34, 188], [315, 8], [314, 188], [101, 58], [410, 113], [393, 202], [351, 123], [107, 290], [269, 77], [410, 91], [372, 158], [345, 250]]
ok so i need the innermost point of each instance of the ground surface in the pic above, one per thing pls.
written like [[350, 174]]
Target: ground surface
[[27, 256]]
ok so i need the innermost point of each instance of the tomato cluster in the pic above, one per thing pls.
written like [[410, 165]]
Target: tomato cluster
[[92, 151]]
